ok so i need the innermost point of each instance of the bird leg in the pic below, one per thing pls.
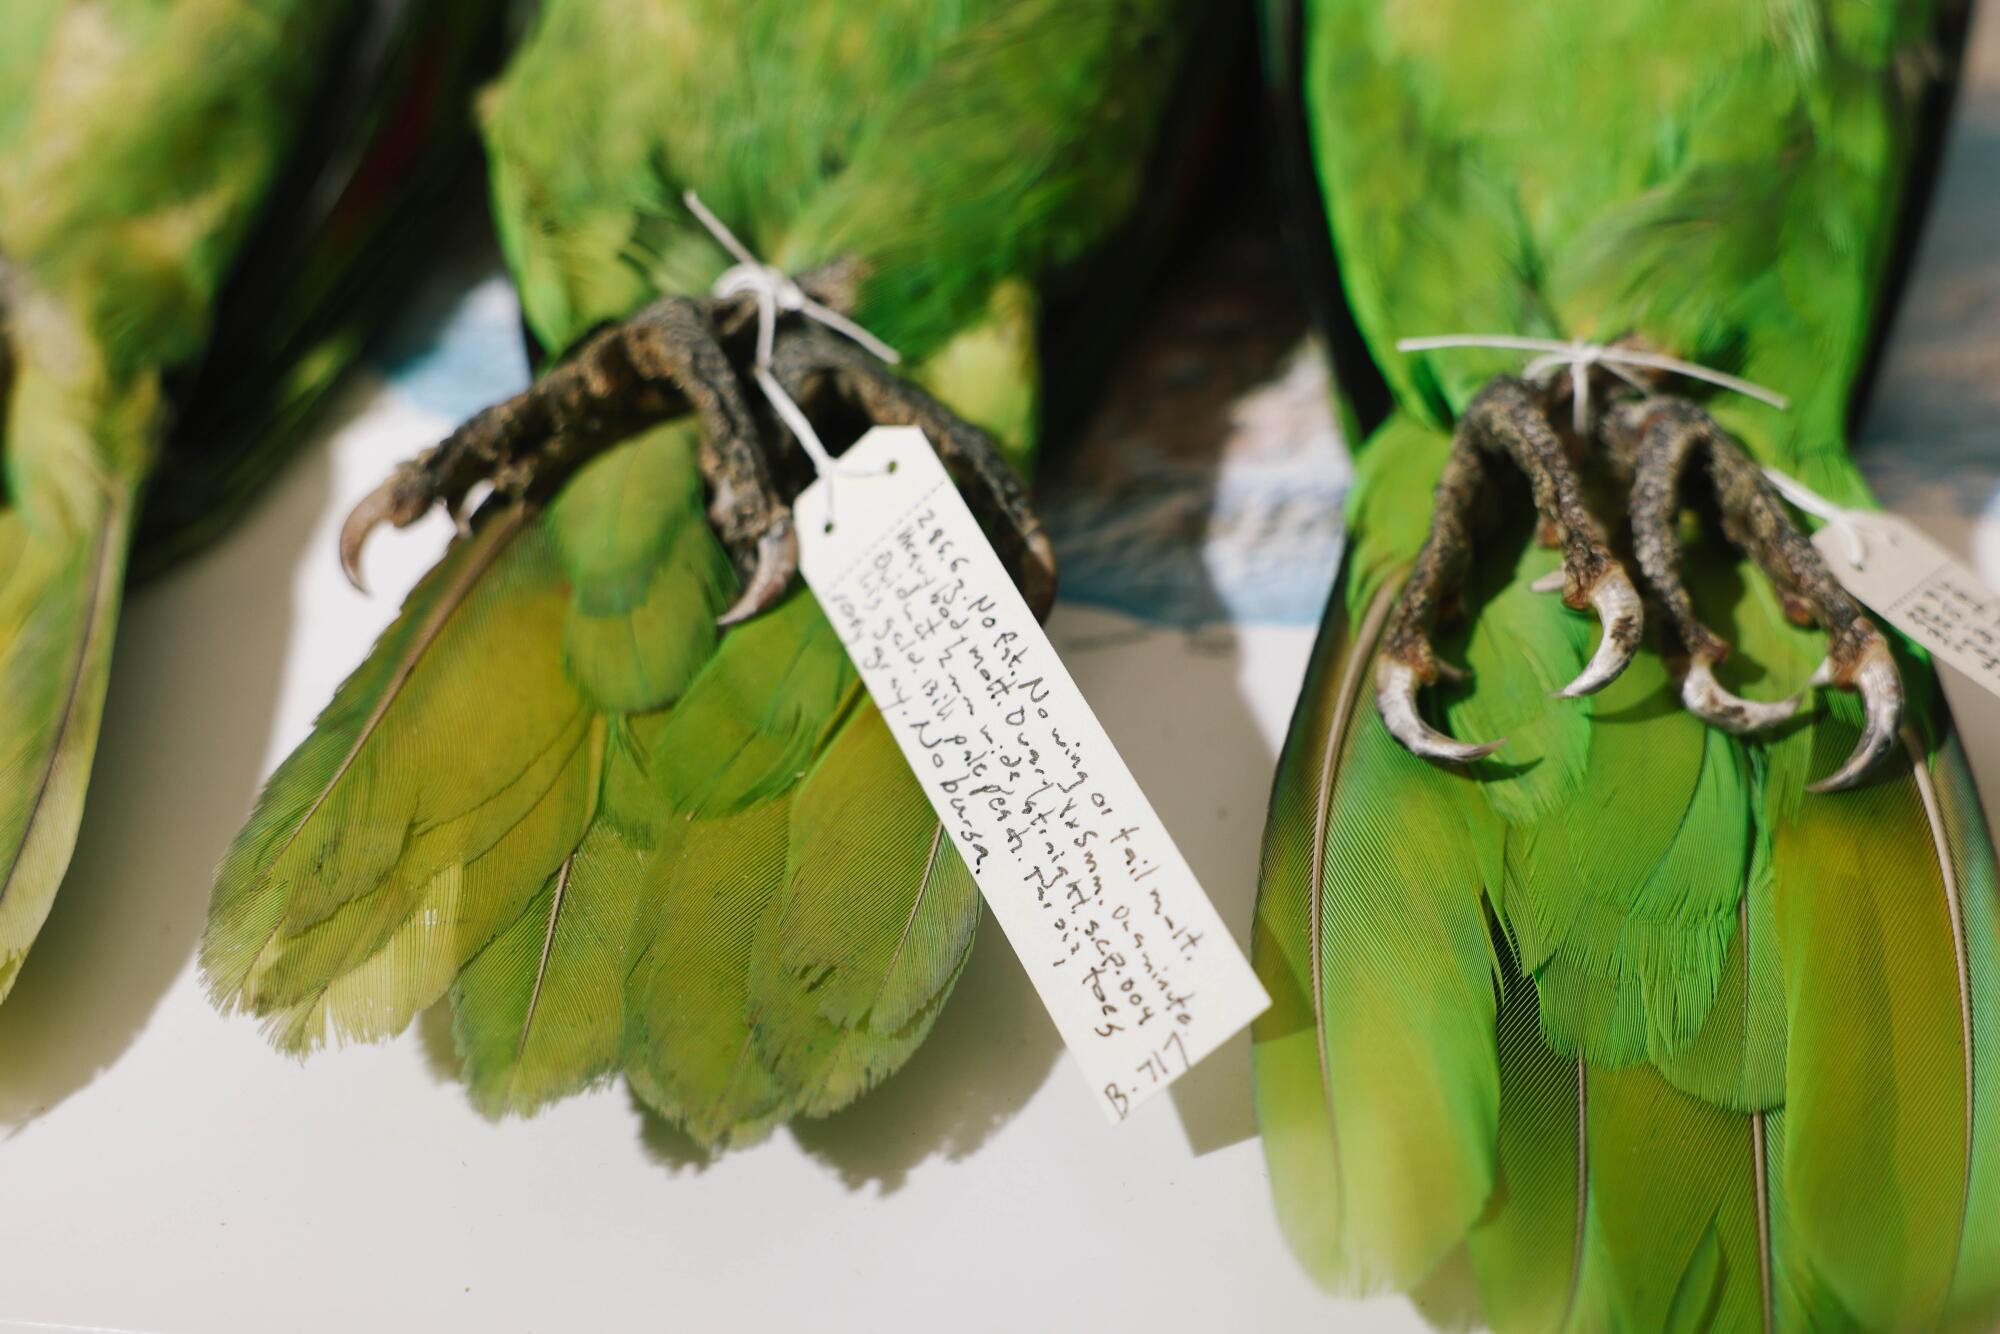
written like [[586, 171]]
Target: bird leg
[[665, 360], [680, 354], [1505, 419], [1662, 435], [819, 369]]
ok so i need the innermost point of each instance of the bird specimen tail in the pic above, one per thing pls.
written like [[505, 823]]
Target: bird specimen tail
[[1629, 1029], [652, 862]]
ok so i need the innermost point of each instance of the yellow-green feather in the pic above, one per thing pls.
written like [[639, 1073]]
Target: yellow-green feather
[[539, 1013], [875, 918], [137, 143], [690, 1050], [385, 803]]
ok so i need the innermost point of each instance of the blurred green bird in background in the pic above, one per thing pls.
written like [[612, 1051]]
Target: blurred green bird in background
[[1626, 1023], [204, 207], [609, 783]]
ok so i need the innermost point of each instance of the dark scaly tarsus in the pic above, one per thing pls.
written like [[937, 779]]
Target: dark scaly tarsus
[[1508, 419], [1659, 437], [680, 354], [810, 362]]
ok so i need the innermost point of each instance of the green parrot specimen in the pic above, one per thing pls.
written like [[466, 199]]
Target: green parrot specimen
[[1626, 1024], [186, 190], [609, 783]]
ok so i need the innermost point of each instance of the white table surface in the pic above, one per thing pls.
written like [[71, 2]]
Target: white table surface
[[162, 1170]]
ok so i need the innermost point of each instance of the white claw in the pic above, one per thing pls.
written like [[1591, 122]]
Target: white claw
[[375, 509], [1617, 604], [1707, 700], [1396, 697], [777, 562], [1881, 689], [1552, 582]]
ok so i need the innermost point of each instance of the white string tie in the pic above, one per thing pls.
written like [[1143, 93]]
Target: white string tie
[[777, 293], [1579, 356], [1852, 525]]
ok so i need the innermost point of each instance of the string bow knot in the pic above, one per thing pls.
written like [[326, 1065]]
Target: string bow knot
[[778, 293], [1579, 355]]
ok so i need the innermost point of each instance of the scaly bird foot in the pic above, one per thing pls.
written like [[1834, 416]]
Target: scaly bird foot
[[666, 360], [677, 355], [1507, 419], [1662, 435], [820, 370]]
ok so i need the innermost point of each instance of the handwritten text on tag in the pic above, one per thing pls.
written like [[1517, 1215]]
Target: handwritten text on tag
[[1137, 970], [1920, 588]]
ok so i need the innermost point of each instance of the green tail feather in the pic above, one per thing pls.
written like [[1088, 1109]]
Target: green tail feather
[[1376, 1073], [1974, 1300], [690, 1050], [1677, 1191], [1802, 1153], [1737, 1060], [857, 952], [750, 723], [384, 809], [1890, 1026], [539, 1013], [646, 576], [1529, 1244]]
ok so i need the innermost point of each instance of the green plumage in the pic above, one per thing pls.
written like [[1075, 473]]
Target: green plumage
[[740, 899], [136, 142], [157, 159], [1660, 1040]]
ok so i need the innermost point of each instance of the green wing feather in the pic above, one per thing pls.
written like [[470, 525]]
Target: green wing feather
[[1744, 1036]]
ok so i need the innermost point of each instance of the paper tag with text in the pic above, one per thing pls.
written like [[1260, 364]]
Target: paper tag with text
[[1137, 970], [1918, 587]]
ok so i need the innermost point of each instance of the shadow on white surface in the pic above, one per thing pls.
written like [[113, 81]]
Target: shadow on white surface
[[991, 1050], [187, 722]]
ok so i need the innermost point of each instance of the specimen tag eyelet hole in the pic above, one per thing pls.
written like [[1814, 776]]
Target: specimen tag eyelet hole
[[829, 526], [892, 465]]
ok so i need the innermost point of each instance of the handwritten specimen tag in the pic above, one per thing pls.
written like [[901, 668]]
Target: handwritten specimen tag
[[1137, 970], [1919, 587]]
